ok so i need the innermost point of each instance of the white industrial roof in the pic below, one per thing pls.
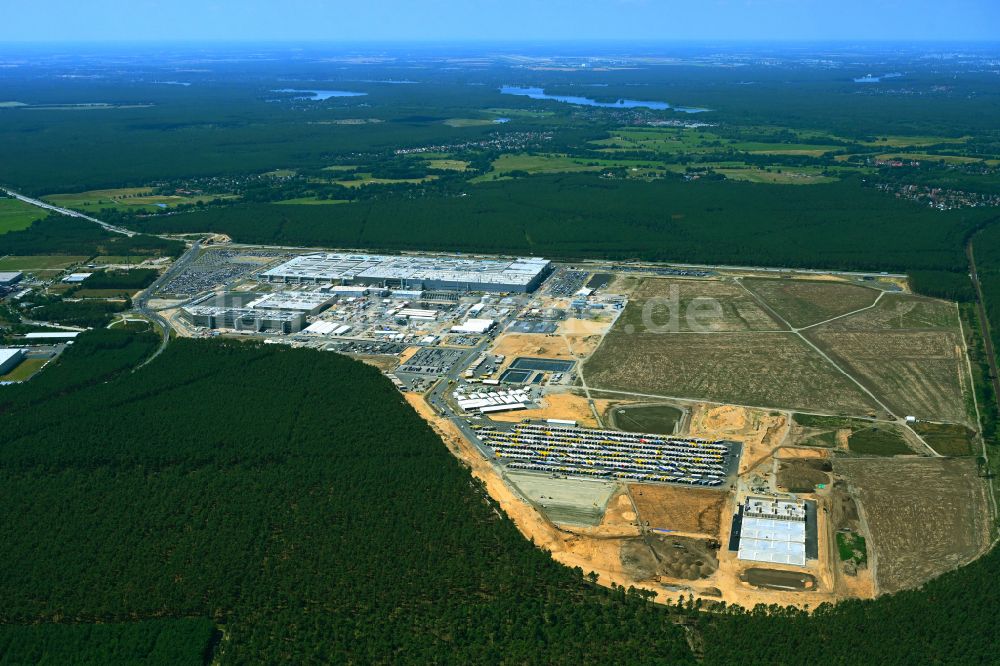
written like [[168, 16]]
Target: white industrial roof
[[474, 326], [340, 266], [774, 541], [54, 335], [7, 353], [320, 328], [76, 277], [8, 276], [290, 300]]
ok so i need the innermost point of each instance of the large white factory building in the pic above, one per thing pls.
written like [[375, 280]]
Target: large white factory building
[[411, 272]]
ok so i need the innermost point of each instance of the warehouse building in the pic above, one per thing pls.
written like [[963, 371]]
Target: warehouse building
[[773, 530], [280, 312], [8, 278], [10, 358], [520, 275]]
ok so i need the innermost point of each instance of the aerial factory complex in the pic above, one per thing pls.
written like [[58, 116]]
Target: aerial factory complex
[[723, 466]]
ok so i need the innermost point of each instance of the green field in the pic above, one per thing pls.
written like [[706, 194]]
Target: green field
[[39, 262], [550, 163], [852, 546], [878, 441], [660, 419], [469, 122], [24, 370], [797, 176], [673, 141], [118, 260], [15, 215], [948, 439], [125, 198], [368, 179], [447, 164], [309, 201]]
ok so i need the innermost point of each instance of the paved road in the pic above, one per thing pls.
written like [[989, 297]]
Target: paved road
[[436, 396], [141, 302], [66, 211]]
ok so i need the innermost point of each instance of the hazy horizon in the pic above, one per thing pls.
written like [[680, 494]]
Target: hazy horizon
[[456, 22]]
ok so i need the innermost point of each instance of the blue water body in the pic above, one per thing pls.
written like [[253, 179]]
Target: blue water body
[[539, 93], [876, 79], [319, 95], [501, 120]]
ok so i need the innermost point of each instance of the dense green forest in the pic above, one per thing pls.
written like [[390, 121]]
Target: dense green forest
[[134, 279], [840, 225], [58, 234], [184, 641], [305, 507], [312, 516]]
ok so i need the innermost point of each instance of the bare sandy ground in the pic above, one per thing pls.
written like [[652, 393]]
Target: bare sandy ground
[[758, 430], [599, 548]]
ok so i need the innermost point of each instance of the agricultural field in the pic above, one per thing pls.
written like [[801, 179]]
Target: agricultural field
[[125, 198], [547, 163], [674, 305], [924, 516], [900, 311], [919, 373], [446, 164], [779, 176], [698, 141], [762, 369], [363, 179], [808, 302], [948, 439], [689, 510], [565, 501], [16, 215]]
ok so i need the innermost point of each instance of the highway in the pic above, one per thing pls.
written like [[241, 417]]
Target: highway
[[66, 211]]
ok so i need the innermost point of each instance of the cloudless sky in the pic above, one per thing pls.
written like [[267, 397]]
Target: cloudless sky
[[497, 20]]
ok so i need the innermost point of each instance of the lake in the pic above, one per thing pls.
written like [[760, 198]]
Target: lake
[[539, 93], [319, 95]]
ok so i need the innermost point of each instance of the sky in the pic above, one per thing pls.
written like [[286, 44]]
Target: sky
[[498, 20]]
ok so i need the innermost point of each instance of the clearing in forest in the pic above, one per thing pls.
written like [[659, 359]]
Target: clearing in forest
[[925, 516]]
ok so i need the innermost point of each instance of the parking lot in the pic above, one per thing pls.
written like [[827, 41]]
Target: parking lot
[[567, 283], [611, 454], [359, 347], [432, 361], [216, 267]]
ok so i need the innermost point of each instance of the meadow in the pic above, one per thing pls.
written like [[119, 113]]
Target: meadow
[[16, 215]]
